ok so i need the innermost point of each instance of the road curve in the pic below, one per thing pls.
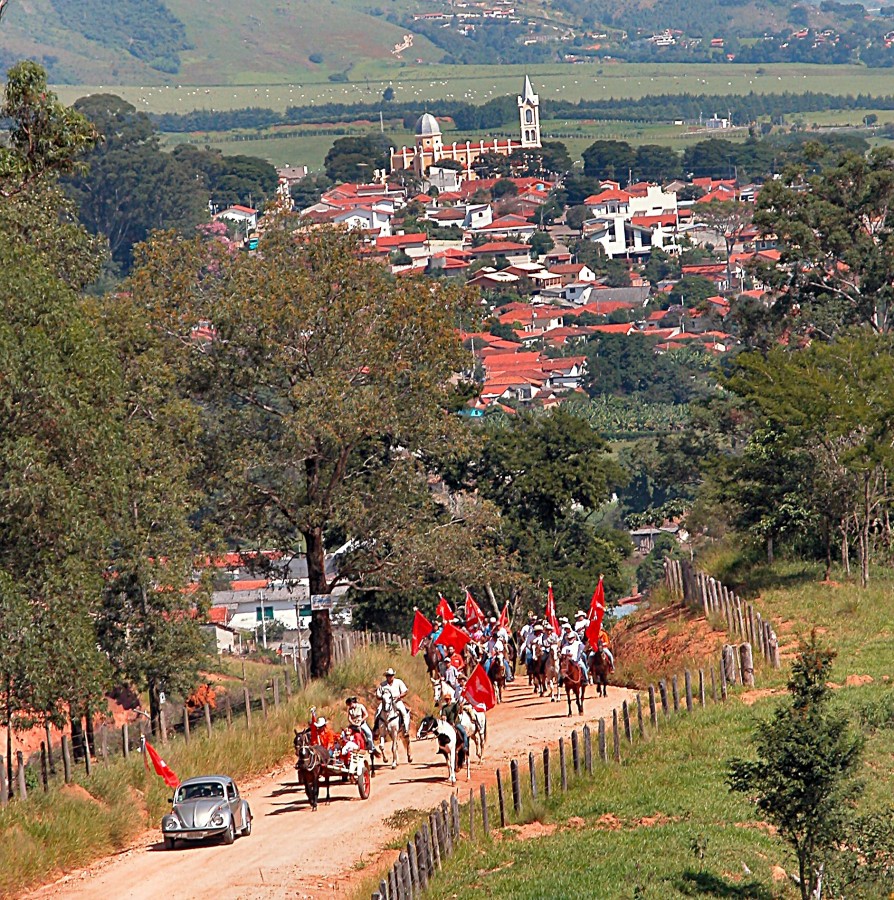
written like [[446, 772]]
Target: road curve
[[294, 852]]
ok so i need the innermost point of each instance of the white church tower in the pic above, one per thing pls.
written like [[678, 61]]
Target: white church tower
[[529, 116]]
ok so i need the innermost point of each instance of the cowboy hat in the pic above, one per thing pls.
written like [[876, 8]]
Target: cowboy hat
[[580, 614], [389, 671]]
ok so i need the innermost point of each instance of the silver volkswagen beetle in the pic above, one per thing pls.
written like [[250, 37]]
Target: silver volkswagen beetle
[[206, 807]]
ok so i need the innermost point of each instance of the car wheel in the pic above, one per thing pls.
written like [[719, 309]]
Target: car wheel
[[170, 843], [230, 834], [247, 830]]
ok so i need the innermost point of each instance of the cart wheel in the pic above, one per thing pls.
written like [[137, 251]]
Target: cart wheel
[[363, 782]]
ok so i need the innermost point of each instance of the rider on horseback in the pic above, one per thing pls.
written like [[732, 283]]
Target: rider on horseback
[[451, 710], [357, 716], [576, 650], [398, 691], [603, 646]]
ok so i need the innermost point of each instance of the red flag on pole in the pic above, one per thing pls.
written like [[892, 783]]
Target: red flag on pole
[[474, 615], [444, 610], [597, 611], [162, 769], [422, 628], [504, 618], [550, 614], [451, 636], [479, 690]]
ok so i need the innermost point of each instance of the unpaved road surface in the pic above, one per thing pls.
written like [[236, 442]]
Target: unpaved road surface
[[294, 852]]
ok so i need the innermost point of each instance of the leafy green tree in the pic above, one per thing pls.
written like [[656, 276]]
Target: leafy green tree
[[803, 779], [651, 570], [357, 158], [575, 217], [550, 158], [131, 186], [541, 243], [691, 290], [836, 236], [230, 180], [505, 187], [654, 162], [326, 383], [309, 190], [612, 160], [712, 158]]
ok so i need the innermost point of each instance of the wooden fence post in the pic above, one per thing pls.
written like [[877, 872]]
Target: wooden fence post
[[625, 713], [454, 816], [713, 686], [20, 775], [662, 689], [125, 740], [51, 760], [435, 848], [532, 774], [66, 759], [247, 707], [747, 663], [676, 692], [722, 682], [653, 709], [4, 788], [414, 863], [562, 767], [44, 768], [616, 735], [603, 749], [547, 775], [501, 799], [730, 663], [264, 700], [207, 710], [575, 752], [162, 724], [701, 687], [516, 785], [186, 723], [588, 749], [639, 717], [229, 711], [688, 686], [88, 759], [485, 818]]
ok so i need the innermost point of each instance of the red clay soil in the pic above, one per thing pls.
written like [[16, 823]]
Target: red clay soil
[[663, 641]]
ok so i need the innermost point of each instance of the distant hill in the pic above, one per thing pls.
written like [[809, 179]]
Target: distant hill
[[206, 42], [201, 41]]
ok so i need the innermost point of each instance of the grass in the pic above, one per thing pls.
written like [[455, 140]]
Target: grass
[[663, 824], [429, 83], [71, 826]]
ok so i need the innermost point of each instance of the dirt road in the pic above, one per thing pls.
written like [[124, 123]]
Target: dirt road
[[296, 853]]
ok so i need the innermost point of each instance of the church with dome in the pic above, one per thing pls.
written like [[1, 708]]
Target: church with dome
[[430, 149]]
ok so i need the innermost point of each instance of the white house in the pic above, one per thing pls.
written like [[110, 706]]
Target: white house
[[243, 217], [373, 219]]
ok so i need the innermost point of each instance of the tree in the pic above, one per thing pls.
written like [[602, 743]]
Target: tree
[[612, 160], [835, 232], [550, 158], [575, 217], [655, 162], [326, 383], [729, 218], [357, 158], [388, 94], [541, 243], [230, 180], [505, 187], [803, 779], [131, 186], [713, 158]]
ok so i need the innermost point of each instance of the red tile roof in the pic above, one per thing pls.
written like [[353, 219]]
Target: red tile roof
[[500, 247]]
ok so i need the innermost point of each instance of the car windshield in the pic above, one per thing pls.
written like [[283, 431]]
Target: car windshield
[[209, 789]]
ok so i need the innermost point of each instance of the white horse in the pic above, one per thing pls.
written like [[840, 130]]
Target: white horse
[[389, 722], [475, 723], [449, 744]]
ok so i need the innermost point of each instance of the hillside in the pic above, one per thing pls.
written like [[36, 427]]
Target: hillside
[[156, 41], [199, 42]]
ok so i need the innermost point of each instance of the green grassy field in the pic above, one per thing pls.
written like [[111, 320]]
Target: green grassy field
[[429, 83], [663, 825]]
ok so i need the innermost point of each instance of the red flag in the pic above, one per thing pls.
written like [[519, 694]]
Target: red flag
[[479, 690], [162, 769], [451, 636], [550, 614], [422, 628], [597, 611], [504, 617], [444, 610], [474, 615]]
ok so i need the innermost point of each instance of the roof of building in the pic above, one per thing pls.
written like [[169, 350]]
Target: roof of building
[[427, 126]]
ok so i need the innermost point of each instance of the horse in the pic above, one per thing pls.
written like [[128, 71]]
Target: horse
[[599, 666], [572, 677], [389, 722], [544, 672], [311, 768], [497, 675], [432, 656], [475, 723], [449, 744]]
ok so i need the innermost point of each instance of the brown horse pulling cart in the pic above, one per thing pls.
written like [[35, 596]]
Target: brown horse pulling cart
[[314, 764]]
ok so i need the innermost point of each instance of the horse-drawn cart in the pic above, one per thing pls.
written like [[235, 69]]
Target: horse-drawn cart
[[355, 767]]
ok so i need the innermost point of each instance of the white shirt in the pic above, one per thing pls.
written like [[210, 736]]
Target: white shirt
[[397, 687]]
